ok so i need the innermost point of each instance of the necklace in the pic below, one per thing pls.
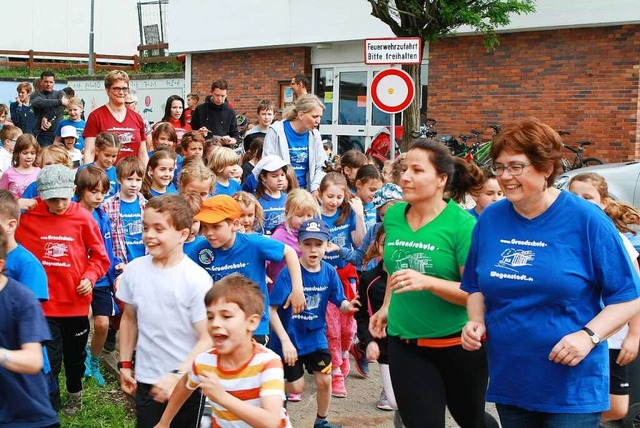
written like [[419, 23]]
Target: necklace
[[119, 115]]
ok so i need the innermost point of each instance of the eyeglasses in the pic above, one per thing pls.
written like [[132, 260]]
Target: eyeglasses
[[128, 103], [120, 89], [514, 169]]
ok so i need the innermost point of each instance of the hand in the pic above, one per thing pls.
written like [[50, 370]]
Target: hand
[[572, 348], [127, 381], [296, 298], [161, 425], [27, 204], [19, 102], [331, 247], [357, 206], [378, 323], [85, 287], [163, 388], [65, 101], [628, 350], [210, 386], [405, 280], [473, 334], [373, 351], [45, 124], [354, 305], [203, 131], [316, 195], [290, 353]]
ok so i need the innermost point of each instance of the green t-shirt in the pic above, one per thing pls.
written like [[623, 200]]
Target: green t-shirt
[[437, 249]]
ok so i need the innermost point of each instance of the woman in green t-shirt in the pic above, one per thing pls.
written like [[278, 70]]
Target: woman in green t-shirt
[[428, 238]]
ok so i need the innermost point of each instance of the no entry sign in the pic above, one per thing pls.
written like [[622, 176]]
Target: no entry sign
[[392, 90]]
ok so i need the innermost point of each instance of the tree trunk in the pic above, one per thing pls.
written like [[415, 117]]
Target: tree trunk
[[411, 116]]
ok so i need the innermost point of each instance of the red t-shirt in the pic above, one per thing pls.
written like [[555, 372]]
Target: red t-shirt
[[130, 131], [180, 130]]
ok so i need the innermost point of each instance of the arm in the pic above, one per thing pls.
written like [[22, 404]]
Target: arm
[[378, 322], [629, 349], [26, 360], [40, 102], [406, 280], [143, 154], [355, 257], [89, 149], [270, 145], [297, 294], [180, 394], [474, 331], [233, 127], [97, 261], [289, 353], [128, 339], [358, 209]]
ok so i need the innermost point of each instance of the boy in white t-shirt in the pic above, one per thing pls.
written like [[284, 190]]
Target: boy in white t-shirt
[[8, 137], [164, 318]]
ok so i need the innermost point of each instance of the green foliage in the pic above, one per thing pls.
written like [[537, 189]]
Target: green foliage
[[434, 19], [101, 407], [63, 73]]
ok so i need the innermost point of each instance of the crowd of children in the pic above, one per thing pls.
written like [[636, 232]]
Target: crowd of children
[[296, 276]]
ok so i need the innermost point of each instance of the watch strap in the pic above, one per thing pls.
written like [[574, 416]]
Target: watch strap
[[592, 335], [125, 365]]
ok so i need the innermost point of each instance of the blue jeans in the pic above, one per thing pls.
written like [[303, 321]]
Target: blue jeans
[[517, 417]]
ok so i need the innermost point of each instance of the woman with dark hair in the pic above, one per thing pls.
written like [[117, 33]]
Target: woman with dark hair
[[542, 265], [174, 115], [423, 314]]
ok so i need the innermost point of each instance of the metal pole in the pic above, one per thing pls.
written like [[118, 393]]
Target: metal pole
[[392, 146], [91, 54]]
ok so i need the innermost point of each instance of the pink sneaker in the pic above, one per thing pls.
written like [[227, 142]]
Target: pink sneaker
[[338, 389], [294, 398], [345, 368]]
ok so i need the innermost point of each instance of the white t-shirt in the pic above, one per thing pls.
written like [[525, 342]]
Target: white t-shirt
[[616, 339], [5, 160], [168, 302]]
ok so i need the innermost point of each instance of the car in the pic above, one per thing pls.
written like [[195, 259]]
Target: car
[[623, 179]]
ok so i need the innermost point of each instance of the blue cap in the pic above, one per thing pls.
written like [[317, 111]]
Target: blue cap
[[314, 229]]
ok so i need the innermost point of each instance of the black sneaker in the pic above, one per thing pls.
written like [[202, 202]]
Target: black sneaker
[[360, 356]]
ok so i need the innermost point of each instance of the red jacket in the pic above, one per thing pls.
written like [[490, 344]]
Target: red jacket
[[70, 248]]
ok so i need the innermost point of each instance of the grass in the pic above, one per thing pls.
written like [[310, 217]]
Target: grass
[[104, 407]]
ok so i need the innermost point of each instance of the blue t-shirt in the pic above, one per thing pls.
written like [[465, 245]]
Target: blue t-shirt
[[248, 257], [250, 184], [473, 212], [132, 224], [298, 152], [306, 330], [273, 211], [25, 268], [31, 191], [370, 216], [189, 245], [340, 235], [230, 189], [24, 398], [114, 187], [541, 279], [171, 189], [79, 130]]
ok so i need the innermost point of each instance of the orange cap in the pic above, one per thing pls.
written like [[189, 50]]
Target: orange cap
[[218, 208]]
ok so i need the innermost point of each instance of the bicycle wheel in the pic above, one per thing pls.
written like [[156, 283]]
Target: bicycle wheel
[[592, 162]]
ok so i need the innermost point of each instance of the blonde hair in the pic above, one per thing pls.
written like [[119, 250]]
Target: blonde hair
[[56, 153], [195, 171], [303, 104], [246, 199], [75, 101], [114, 76], [221, 158], [300, 200]]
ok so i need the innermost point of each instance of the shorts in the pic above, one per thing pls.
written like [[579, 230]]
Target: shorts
[[103, 302], [618, 375], [317, 361]]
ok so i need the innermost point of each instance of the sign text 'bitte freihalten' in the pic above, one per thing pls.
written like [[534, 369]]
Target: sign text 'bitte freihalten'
[[401, 50]]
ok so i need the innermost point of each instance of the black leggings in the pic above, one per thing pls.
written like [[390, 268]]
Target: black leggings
[[425, 380]]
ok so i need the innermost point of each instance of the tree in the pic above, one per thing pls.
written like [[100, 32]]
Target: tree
[[431, 20]]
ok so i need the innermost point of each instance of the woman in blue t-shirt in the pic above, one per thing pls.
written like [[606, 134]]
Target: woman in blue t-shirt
[[296, 140], [542, 263]]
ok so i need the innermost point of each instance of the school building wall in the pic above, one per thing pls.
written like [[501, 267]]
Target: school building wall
[[585, 81]]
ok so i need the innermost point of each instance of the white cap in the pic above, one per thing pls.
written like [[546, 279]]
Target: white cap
[[269, 163], [69, 131]]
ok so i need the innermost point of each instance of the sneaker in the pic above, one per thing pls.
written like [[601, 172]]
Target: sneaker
[[95, 371], [362, 363], [345, 368], [87, 363], [338, 389], [110, 342], [294, 398], [324, 424], [383, 402], [74, 404], [397, 420]]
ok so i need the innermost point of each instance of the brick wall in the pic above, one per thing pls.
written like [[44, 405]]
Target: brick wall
[[251, 74], [585, 81]]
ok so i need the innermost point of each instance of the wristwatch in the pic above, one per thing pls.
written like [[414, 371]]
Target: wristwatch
[[125, 365], [595, 339]]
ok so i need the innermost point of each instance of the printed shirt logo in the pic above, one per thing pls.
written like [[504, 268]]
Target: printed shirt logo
[[53, 250], [206, 256], [512, 258], [419, 262]]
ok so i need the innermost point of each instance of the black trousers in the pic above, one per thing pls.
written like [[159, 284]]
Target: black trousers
[[425, 380], [149, 412], [69, 337]]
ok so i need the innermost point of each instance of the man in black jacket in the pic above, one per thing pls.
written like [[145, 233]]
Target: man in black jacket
[[48, 106], [214, 117]]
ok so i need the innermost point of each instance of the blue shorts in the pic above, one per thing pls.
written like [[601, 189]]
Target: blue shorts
[[103, 302]]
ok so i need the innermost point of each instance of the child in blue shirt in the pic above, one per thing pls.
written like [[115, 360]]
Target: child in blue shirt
[[107, 149], [299, 338], [227, 251], [75, 109], [160, 173], [271, 174], [223, 163]]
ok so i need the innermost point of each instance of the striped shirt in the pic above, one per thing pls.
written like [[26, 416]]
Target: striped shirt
[[261, 376]]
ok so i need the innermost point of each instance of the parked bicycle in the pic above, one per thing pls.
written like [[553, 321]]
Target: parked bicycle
[[578, 161]]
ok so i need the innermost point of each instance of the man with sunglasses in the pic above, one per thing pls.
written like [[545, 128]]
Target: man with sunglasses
[[48, 107]]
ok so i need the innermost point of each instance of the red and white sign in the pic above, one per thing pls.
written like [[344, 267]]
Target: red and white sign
[[399, 50], [392, 90]]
